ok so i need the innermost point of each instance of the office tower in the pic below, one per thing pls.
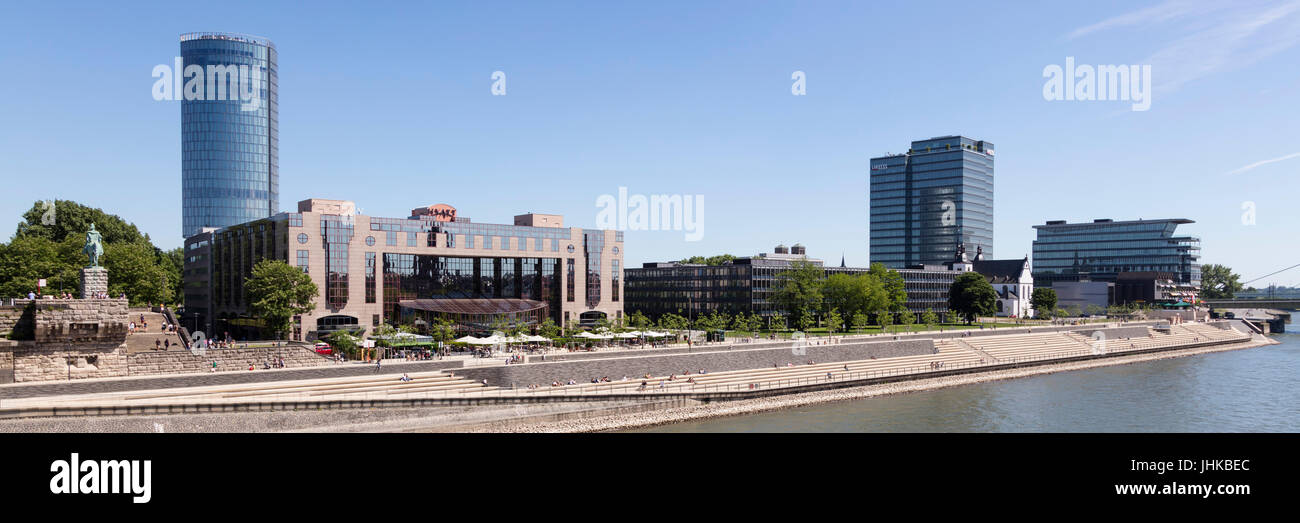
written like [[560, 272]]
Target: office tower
[[927, 201], [229, 171]]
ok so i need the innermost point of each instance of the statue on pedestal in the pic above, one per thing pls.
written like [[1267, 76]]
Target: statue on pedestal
[[94, 246]]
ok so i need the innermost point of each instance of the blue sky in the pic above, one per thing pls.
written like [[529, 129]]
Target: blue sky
[[390, 105]]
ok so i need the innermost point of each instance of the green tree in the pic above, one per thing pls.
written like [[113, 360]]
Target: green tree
[[798, 291], [638, 320], [711, 260], [892, 282], [279, 292], [972, 296], [851, 294], [884, 318], [807, 322], [133, 270], [951, 316], [930, 319], [549, 329], [906, 319], [342, 341], [672, 321], [1043, 301], [861, 321], [72, 220], [834, 322], [27, 259], [776, 322], [1218, 282]]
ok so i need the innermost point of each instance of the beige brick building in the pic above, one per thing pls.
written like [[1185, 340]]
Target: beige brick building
[[434, 263]]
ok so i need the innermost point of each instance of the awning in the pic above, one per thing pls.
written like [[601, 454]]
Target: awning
[[474, 305]]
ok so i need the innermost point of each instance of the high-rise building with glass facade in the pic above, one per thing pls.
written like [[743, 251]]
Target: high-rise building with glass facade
[[229, 158], [1102, 249], [930, 199]]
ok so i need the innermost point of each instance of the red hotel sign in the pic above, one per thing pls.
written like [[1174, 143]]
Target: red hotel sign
[[441, 212]]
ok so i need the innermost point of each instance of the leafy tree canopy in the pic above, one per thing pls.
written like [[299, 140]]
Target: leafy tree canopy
[[972, 296], [279, 292]]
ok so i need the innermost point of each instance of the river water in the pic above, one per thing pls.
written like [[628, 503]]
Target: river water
[[1252, 390]]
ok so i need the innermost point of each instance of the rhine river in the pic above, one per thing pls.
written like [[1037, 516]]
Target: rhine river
[[1252, 390]]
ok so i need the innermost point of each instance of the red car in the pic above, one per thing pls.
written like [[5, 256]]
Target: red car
[[323, 348]]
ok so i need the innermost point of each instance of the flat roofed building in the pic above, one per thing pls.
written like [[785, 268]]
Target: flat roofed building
[[929, 200], [435, 263], [1102, 249], [746, 284]]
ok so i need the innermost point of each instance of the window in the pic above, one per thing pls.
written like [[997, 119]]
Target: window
[[302, 237], [303, 256], [392, 239], [370, 277], [370, 241], [571, 268]]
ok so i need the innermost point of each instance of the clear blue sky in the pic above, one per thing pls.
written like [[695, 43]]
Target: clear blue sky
[[389, 105]]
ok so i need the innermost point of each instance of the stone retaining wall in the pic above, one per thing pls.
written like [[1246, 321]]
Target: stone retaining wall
[[49, 362], [220, 378], [182, 361], [661, 365]]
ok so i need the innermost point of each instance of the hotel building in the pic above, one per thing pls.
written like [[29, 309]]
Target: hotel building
[[433, 264]]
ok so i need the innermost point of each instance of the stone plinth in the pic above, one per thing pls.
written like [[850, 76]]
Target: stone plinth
[[94, 280]]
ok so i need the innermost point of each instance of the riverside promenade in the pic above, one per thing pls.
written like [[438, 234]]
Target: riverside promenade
[[787, 373]]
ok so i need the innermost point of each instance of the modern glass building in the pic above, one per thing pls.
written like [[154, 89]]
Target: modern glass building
[[229, 158], [930, 199], [1102, 249]]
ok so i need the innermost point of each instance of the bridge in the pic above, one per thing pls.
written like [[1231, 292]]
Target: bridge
[[1290, 304]]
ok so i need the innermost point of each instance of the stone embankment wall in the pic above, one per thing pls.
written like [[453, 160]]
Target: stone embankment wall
[[182, 361], [660, 365]]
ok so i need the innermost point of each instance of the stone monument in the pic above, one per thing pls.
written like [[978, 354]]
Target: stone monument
[[94, 278]]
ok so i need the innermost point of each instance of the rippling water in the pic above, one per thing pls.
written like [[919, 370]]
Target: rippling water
[[1252, 390]]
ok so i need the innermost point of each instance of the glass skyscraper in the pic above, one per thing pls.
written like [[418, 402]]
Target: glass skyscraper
[[930, 199], [229, 144], [1100, 250]]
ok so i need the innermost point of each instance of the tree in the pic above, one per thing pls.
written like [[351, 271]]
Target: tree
[[740, 322], [342, 341], [972, 296], [637, 320], [907, 319], [851, 294], [711, 260], [71, 220], [798, 291], [951, 316], [279, 292], [806, 322], [776, 322], [549, 329], [1218, 282], [861, 321], [28, 259], [133, 270], [884, 318], [930, 319], [892, 283], [833, 321], [1043, 301], [672, 321]]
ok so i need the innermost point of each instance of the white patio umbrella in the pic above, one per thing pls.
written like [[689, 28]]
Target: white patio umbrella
[[467, 339]]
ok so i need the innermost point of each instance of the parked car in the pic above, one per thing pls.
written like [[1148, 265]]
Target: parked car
[[324, 348]]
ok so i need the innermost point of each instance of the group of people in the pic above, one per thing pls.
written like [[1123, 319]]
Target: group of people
[[69, 296]]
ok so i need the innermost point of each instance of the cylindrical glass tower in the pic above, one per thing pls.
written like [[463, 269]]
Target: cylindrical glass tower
[[229, 145]]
